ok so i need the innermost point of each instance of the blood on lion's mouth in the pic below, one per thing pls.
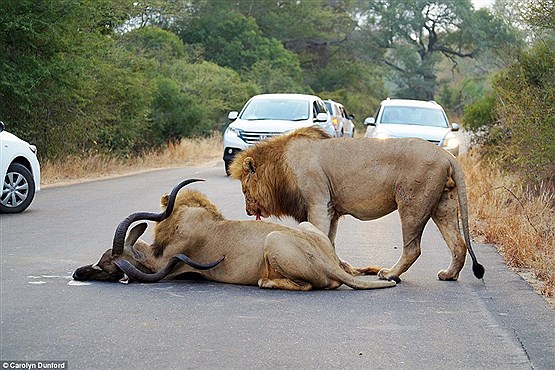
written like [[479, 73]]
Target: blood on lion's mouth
[[261, 214]]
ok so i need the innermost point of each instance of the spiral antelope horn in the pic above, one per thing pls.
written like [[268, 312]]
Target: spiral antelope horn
[[121, 230]]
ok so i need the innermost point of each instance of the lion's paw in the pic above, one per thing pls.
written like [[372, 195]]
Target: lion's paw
[[265, 283], [445, 275], [385, 274]]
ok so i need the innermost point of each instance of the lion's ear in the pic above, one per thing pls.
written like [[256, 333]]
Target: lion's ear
[[164, 200], [248, 165]]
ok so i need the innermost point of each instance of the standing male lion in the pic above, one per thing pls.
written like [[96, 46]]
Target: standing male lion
[[299, 175]]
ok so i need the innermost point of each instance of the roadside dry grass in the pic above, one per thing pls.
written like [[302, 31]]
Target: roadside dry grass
[[518, 220], [188, 152]]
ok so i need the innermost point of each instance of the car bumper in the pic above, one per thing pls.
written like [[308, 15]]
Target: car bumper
[[230, 153], [233, 145]]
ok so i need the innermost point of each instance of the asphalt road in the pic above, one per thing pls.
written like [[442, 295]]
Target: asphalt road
[[423, 323]]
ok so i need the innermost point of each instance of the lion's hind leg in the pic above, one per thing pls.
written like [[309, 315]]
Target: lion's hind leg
[[445, 217], [274, 279], [291, 262], [283, 283]]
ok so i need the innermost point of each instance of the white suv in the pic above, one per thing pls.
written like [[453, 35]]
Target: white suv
[[20, 172], [268, 115], [397, 118], [342, 122]]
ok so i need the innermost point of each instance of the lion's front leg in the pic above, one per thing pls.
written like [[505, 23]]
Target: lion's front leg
[[411, 252], [320, 217]]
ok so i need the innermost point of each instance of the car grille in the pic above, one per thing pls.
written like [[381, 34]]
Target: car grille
[[251, 137]]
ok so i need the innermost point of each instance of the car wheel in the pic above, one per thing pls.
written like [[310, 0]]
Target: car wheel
[[18, 189]]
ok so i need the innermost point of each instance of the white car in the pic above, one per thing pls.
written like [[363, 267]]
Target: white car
[[398, 118], [20, 170], [268, 115], [342, 122]]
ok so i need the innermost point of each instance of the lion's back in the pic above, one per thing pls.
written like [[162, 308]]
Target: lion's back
[[360, 176]]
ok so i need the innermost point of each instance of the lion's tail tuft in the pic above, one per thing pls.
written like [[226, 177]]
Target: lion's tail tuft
[[478, 269]]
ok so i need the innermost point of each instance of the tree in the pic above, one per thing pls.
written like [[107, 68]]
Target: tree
[[516, 120], [231, 39], [175, 114], [417, 34], [65, 84], [540, 14], [333, 57], [155, 44], [217, 89], [273, 80]]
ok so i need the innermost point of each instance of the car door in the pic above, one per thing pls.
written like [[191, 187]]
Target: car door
[[320, 107]]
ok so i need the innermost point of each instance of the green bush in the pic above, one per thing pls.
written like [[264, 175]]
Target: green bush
[[480, 115], [175, 114], [516, 123]]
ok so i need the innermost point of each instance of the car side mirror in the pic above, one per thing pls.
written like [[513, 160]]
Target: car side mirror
[[370, 121], [351, 116], [232, 116], [1, 126], [455, 127], [321, 117]]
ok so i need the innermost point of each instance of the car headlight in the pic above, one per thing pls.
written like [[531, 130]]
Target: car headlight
[[450, 142], [233, 131]]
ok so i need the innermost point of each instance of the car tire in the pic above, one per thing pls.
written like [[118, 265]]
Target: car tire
[[18, 189], [227, 164]]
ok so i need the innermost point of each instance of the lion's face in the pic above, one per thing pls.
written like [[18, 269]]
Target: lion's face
[[252, 207], [251, 190]]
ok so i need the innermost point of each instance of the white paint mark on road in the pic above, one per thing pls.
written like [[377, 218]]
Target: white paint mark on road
[[77, 283]]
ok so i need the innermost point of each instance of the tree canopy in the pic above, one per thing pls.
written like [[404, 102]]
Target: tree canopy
[[118, 77]]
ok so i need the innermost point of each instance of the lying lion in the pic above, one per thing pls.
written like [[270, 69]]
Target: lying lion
[[300, 175], [254, 253]]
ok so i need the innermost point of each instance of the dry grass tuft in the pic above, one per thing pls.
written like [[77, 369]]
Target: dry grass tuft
[[518, 220], [187, 152]]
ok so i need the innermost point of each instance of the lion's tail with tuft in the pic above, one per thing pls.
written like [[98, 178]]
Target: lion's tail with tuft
[[358, 283], [458, 176]]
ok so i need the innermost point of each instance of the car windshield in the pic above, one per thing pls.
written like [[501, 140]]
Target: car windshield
[[413, 116], [277, 109]]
